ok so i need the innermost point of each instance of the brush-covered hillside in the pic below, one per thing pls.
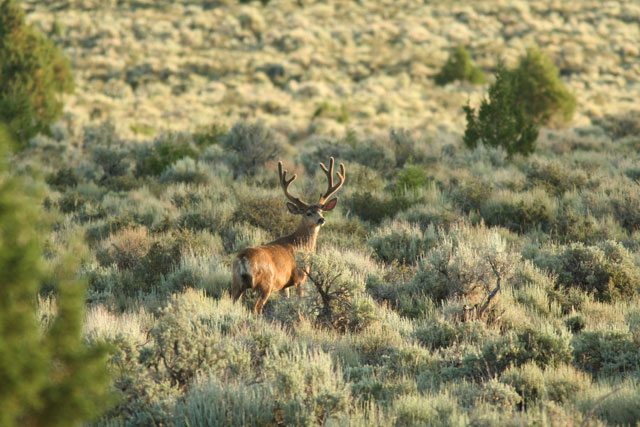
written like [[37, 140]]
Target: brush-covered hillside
[[461, 284]]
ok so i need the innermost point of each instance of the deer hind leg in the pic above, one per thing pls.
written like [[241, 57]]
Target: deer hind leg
[[262, 300], [242, 279], [237, 290]]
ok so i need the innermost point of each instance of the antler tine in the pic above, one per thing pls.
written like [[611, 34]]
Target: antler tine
[[331, 188], [284, 182]]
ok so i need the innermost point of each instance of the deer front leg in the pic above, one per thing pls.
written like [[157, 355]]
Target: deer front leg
[[299, 276]]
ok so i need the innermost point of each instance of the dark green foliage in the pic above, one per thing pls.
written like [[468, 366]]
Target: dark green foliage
[[209, 135], [402, 242], [161, 259], [501, 120], [166, 150], [33, 76], [459, 67], [63, 178], [606, 270], [519, 214], [439, 335], [48, 377], [411, 178], [250, 146], [543, 349], [540, 91], [575, 323], [607, 353], [375, 208]]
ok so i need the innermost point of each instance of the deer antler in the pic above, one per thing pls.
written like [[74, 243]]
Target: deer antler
[[331, 189], [284, 182]]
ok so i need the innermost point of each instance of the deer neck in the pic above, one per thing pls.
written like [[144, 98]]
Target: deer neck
[[305, 237]]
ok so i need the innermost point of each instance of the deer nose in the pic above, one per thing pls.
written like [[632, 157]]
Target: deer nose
[[321, 221]]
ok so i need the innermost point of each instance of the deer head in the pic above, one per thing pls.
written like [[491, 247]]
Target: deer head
[[312, 213]]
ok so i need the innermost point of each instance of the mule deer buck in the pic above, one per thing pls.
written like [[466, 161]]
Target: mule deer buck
[[272, 267]]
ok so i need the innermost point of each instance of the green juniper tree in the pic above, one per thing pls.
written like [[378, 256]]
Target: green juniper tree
[[33, 75], [49, 376], [541, 92], [501, 120]]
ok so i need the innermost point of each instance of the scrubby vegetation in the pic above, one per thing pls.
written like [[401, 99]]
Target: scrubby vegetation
[[484, 283], [459, 67]]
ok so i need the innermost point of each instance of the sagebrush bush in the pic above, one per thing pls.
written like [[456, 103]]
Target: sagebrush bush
[[443, 334], [469, 195], [554, 177], [375, 207], [564, 382], [615, 404], [438, 410], [519, 212], [310, 389], [268, 213], [501, 394], [459, 67], [543, 348], [411, 177], [502, 120], [125, 248], [402, 242], [606, 353], [605, 270], [188, 171], [465, 263], [336, 297], [620, 126], [250, 146], [184, 344], [153, 159], [528, 381], [218, 403]]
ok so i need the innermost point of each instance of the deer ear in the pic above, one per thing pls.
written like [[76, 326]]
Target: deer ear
[[330, 204], [293, 208]]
